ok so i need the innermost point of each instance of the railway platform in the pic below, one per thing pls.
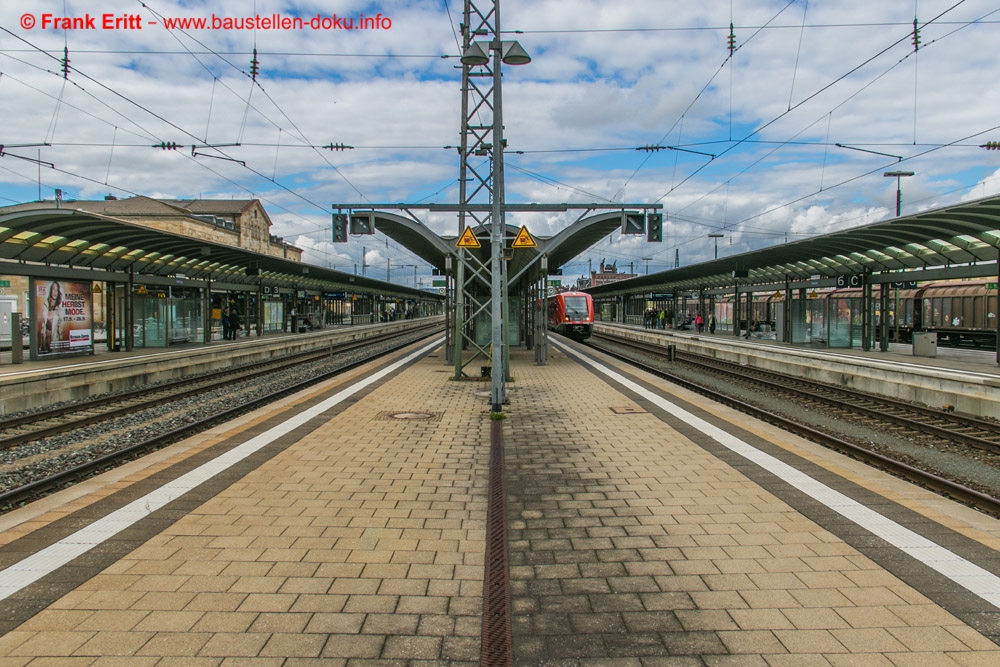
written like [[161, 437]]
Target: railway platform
[[35, 384], [968, 380], [647, 527]]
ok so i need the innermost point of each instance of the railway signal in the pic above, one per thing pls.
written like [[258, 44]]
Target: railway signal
[[363, 223], [339, 228], [654, 227]]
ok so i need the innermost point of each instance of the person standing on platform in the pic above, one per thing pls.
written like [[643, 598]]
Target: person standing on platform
[[225, 323], [699, 322], [234, 324], [711, 323]]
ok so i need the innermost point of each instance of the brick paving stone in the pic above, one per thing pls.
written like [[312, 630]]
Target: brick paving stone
[[362, 545], [703, 566], [336, 551]]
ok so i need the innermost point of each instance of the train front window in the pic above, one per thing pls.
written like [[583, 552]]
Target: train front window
[[576, 308]]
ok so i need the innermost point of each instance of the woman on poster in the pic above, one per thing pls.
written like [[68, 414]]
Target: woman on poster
[[51, 322]]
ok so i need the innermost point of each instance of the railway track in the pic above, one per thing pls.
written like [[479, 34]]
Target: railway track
[[60, 419], [355, 354], [881, 413]]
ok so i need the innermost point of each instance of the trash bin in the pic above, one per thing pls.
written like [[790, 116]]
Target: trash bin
[[925, 344]]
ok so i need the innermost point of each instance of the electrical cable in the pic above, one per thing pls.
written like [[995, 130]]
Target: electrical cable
[[835, 108], [116, 145], [761, 128]]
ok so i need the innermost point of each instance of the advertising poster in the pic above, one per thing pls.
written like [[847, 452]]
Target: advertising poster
[[63, 315]]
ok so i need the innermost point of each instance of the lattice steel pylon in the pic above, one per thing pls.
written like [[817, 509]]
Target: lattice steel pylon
[[480, 181]]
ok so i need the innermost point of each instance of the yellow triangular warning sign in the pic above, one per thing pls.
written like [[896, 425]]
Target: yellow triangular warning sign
[[524, 239], [468, 239]]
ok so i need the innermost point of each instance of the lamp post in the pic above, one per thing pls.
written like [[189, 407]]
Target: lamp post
[[716, 237], [899, 192], [510, 53]]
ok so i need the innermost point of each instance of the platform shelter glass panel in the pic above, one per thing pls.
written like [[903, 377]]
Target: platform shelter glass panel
[[634, 309], [809, 322], [119, 319], [336, 312], [606, 311], [186, 320], [274, 316], [723, 316], [362, 309], [845, 323], [484, 325], [513, 321], [163, 321], [151, 322]]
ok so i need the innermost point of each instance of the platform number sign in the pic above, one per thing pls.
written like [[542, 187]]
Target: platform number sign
[[854, 280]]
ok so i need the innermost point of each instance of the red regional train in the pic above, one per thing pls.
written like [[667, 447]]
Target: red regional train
[[572, 314]]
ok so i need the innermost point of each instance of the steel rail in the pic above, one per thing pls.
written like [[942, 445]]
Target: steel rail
[[845, 398], [121, 404], [15, 497], [946, 487]]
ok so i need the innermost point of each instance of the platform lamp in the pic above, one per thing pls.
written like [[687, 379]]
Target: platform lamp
[[899, 192], [716, 237]]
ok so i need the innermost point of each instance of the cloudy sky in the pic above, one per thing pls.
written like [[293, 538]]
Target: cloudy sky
[[787, 135]]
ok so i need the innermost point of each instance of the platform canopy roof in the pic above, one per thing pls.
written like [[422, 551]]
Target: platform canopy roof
[[560, 249], [76, 238], [959, 235]]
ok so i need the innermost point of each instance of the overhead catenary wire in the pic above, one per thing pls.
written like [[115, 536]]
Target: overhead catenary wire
[[763, 126], [171, 124], [842, 103], [961, 25], [257, 84], [286, 141], [701, 92]]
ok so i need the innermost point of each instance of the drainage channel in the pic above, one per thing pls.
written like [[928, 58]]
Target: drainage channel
[[496, 648]]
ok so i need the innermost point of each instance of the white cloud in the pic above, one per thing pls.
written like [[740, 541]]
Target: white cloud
[[603, 76]]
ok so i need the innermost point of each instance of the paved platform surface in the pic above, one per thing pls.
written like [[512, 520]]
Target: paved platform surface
[[360, 542], [630, 542], [965, 358]]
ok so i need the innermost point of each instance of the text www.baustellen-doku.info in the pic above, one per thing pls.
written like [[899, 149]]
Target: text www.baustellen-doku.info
[[51, 21]]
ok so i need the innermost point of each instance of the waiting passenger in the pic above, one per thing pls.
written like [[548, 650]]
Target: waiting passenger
[[234, 324]]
